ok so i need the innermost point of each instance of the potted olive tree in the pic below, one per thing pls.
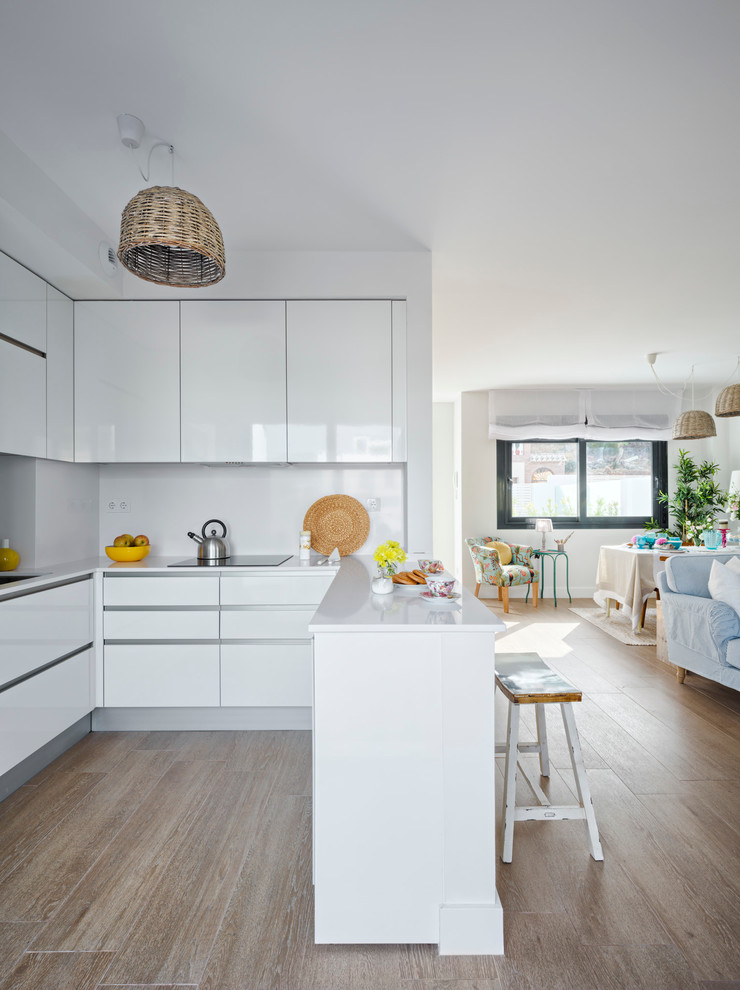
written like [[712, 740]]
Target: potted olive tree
[[696, 500]]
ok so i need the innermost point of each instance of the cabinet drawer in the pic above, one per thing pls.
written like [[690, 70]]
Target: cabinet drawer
[[161, 676], [256, 623], [267, 674], [33, 712], [274, 589], [167, 624], [38, 628], [160, 590]]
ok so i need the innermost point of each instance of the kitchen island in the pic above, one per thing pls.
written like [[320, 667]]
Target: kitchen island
[[403, 728], [403, 720]]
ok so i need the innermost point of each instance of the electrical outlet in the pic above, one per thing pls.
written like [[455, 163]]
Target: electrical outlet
[[373, 504], [118, 505]]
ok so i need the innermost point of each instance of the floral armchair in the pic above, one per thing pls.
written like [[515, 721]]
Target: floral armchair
[[489, 569]]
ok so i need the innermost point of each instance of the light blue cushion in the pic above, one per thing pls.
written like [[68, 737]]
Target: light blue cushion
[[688, 574]]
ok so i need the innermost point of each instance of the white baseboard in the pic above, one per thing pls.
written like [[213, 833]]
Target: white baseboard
[[174, 719], [471, 929]]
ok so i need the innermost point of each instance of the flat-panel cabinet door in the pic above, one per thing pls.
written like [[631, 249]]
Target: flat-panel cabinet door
[[266, 674], [22, 304], [37, 709], [339, 380], [181, 675], [22, 401], [127, 381], [59, 376], [233, 381]]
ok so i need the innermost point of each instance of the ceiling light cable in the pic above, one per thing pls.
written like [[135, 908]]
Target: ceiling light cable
[[157, 144], [662, 387]]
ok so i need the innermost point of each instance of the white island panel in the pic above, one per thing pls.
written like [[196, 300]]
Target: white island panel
[[378, 789]]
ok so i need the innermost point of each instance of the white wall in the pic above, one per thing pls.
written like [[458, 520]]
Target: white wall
[[262, 507], [66, 512], [17, 514], [477, 506], [48, 509], [443, 500]]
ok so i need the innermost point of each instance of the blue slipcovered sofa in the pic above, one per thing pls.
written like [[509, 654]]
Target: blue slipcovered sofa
[[703, 635]]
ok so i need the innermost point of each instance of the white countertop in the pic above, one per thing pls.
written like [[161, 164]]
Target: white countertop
[[151, 564], [349, 604]]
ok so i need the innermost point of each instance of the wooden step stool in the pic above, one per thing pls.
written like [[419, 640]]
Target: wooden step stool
[[525, 679]]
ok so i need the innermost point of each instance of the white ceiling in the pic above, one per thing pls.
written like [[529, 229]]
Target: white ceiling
[[572, 165]]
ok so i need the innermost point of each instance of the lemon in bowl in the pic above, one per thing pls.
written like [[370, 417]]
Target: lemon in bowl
[[122, 554]]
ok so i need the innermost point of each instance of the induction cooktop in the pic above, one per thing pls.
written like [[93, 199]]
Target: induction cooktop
[[257, 560]]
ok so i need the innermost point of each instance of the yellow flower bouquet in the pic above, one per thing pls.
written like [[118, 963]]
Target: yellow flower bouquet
[[388, 555]]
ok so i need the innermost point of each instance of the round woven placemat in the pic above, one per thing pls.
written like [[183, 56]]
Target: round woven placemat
[[337, 521]]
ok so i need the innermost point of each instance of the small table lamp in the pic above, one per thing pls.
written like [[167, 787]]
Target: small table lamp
[[543, 526]]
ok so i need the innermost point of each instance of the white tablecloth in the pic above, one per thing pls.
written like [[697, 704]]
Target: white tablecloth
[[627, 576]]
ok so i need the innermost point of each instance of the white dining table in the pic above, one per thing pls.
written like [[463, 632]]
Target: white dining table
[[627, 575]]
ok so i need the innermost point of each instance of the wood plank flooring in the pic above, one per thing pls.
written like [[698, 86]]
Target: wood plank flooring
[[183, 859]]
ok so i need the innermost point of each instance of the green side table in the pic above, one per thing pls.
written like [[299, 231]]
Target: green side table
[[553, 556]]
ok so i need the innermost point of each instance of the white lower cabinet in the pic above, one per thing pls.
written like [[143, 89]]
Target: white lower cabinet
[[266, 674], [273, 623], [161, 646], [234, 640], [162, 675], [36, 710], [160, 624], [38, 628], [266, 648], [41, 692]]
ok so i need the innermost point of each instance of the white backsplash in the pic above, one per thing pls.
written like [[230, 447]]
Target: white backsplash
[[262, 507]]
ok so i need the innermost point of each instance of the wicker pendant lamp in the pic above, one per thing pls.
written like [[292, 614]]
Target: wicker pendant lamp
[[728, 400], [694, 424], [168, 236]]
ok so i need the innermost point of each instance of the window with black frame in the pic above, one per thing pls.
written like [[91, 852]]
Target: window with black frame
[[581, 484]]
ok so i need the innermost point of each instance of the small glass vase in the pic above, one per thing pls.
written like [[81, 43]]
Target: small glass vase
[[382, 583]]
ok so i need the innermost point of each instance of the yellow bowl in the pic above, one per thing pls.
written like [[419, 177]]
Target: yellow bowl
[[127, 553]]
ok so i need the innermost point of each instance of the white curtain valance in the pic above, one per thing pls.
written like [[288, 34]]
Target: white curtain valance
[[581, 413]]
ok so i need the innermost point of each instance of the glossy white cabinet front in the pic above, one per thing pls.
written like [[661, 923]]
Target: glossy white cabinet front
[[38, 709], [37, 628], [253, 674], [59, 376], [340, 380], [22, 304], [233, 381], [22, 401], [127, 381], [162, 675]]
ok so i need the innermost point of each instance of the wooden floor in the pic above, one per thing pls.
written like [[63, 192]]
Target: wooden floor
[[181, 859]]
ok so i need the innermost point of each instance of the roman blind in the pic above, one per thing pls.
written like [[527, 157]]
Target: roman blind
[[605, 413]]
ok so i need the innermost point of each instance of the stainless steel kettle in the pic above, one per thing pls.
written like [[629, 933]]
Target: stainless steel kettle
[[210, 546]]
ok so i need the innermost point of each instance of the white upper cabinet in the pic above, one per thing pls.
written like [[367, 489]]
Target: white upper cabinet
[[22, 304], [22, 401], [340, 381], [127, 381], [233, 381], [59, 376]]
